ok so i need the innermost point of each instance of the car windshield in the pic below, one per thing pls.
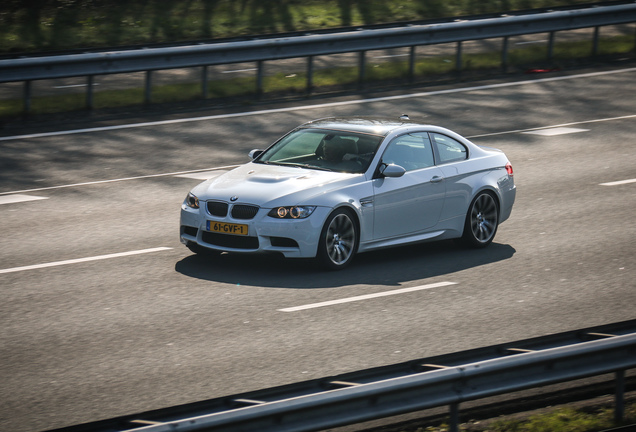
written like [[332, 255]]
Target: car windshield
[[331, 150]]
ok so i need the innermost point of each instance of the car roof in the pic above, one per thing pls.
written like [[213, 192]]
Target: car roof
[[370, 125]]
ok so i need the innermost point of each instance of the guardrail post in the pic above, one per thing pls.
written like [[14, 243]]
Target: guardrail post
[[454, 418], [595, 41], [259, 78], [362, 65], [27, 96], [204, 82], [619, 397], [412, 64], [310, 74], [148, 90], [504, 54], [551, 46], [458, 57], [89, 91]]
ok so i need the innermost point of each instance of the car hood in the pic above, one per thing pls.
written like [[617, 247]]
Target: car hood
[[272, 185]]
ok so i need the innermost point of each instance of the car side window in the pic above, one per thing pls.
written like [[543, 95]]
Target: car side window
[[448, 149], [410, 151]]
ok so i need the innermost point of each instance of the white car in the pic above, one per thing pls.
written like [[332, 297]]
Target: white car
[[335, 187]]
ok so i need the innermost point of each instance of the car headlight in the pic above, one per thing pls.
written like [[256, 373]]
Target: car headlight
[[192, 201], [292, 212]]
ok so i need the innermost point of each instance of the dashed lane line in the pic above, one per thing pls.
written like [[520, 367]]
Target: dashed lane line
[[618, 183], [554, 131], [82, 260], [367, 296], [18, 198]]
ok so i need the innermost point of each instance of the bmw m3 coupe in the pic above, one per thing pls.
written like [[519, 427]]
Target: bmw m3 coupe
[[335, 187]]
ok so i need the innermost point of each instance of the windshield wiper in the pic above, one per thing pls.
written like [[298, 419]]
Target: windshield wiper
[[299, 165]]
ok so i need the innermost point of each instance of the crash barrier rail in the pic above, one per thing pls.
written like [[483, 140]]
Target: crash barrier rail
[[445, 380], [309, 46]]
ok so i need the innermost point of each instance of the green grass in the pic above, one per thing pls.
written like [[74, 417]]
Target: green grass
[[563, 419], [339, 77]]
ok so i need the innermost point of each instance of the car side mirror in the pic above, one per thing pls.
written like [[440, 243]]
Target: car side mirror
[[255, 153], [392, 171]]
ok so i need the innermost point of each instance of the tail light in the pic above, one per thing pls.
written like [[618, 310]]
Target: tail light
[[509, 169]]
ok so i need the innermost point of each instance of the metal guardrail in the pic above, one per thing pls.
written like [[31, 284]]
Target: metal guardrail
[[308, 46], [397, 389]]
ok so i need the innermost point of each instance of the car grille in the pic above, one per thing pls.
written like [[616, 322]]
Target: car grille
[[218, 209], [230, 241], [241, 211]]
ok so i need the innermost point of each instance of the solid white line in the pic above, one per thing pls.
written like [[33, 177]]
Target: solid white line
[[82, 260], [532, 42], [391, 56], [239, 70], [319, 106], [621, 182], [367, 296], [554, 131], [17, 198], [174, 174], [184, 174], [73, 86]]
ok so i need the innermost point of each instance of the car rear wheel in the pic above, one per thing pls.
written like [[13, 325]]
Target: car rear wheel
[[481, 221], [338, 240]]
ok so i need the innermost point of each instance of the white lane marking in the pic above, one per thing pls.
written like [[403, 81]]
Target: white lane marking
[[318, 106], [17, 198], [532, 42], [620, 182], [239, 70], [554, 126], [553, 131], [82, 260], [367, 296], [73, 86], [173, 174], [391, 56], [204, 175]]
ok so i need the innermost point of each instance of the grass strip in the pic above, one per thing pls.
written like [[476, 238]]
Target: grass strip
[[561, 419]]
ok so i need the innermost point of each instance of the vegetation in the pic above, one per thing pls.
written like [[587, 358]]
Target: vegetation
[[41, 25], [564, 419]]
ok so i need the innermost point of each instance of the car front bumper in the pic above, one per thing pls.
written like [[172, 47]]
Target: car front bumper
[[293, 238]]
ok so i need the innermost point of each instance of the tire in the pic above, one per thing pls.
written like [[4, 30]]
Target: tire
[[339, 240], [482, 221]]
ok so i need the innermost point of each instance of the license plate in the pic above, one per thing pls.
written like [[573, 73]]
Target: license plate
[[227, 228]]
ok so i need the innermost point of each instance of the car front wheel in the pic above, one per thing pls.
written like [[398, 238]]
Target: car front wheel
[[481, 221], [338, 240]]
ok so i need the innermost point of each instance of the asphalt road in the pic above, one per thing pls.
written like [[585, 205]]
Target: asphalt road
[[105, 313]]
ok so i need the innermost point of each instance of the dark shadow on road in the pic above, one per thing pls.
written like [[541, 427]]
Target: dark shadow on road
[[389, 267]]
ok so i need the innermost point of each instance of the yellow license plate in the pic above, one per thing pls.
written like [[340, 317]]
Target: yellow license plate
[[227, 228]]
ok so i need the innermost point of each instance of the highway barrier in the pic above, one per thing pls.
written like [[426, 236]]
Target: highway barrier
[[308, 46], [446, 380]]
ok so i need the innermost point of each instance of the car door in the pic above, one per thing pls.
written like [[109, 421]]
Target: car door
[[452, 159], [411, 203]]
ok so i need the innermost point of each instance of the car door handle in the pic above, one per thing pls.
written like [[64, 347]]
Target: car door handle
[[437, 179]]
